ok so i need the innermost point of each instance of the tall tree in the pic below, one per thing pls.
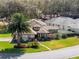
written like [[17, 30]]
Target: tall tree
[[11, 7], [18, 25]]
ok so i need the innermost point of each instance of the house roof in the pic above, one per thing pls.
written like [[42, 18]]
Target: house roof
[[50, 27], [64, 21], [36, 25], [64, 32], [43, 26], [32, 32], [43, 30], [37, 22]]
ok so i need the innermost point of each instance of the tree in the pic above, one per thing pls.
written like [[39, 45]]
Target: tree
[[18, 25], [9, 8]]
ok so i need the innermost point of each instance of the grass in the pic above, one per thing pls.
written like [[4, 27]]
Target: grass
[[5, 35], [8, 48], [74, 57], [55, 44]]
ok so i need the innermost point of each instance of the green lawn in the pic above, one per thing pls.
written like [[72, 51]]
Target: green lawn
[[8, 48], [75, 57], [55, 44], [5, 35]]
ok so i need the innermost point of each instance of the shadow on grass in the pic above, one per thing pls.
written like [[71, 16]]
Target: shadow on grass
[[11, 53]]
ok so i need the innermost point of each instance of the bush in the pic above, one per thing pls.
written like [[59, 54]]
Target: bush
[[2, 26], [64, 36], [33, 44], [21, 46], [57, 37], [2, 31]]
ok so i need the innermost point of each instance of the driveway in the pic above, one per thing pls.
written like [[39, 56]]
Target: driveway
[[6, 39], [63, 53]]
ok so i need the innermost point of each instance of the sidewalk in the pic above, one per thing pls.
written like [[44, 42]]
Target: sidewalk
[[6, 39]]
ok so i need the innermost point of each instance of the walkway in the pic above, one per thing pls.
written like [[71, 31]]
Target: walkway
[[45, 46]]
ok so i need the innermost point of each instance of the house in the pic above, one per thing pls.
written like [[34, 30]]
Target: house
[[40, 30], [25, 37], [65, 23], [43, 30]]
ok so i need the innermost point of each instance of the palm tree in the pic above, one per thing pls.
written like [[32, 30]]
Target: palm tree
[[18, 25]]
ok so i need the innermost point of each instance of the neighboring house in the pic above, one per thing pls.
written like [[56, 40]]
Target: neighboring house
[[65, 23]]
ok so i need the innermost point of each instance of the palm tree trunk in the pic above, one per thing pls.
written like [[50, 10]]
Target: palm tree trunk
[[18, 39]]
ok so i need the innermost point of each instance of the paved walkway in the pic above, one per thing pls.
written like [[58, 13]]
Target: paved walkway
[[63, 53], [45, 46]]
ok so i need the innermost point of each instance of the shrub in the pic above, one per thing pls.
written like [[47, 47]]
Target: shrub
[[64, 36], [21, 46], [57, 37]]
